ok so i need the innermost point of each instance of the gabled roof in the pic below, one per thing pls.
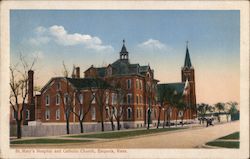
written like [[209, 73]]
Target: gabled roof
[[81, 83], [178, 87]]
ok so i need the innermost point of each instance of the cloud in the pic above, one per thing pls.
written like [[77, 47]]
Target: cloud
[[153, 44], [61, 36]]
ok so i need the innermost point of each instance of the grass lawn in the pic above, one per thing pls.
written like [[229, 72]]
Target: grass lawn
[[47, 141], [234, 136], [121, 134], [225, 144]]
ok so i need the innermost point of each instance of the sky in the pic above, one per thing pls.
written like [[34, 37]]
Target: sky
[[152, 37]]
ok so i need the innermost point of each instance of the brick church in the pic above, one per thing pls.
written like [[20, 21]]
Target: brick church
[[139, 95]]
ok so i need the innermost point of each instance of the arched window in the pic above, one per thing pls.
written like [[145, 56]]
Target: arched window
[[47, 99], [93, 113], [58, 114], [128, 83], [81, 98], [58, 100], [137, 84], [47, 114], [66, 98], [129, 113], [137, 99]]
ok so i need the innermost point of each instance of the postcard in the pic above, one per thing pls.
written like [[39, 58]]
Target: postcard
[[124, 79]]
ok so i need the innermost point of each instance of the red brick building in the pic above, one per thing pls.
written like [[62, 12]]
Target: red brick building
[[139, 96]]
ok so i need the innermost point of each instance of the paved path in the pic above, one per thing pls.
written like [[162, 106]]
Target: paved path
[[187, 138], [181, 139]]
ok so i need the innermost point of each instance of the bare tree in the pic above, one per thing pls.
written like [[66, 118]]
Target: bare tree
[[19, 90], [67, 98], [102, 87], [81, 114]]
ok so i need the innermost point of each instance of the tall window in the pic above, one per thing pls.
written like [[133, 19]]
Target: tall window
[[140, 84], [137, 84], [93, 113], [129, 98], [107, 98], [58, 99], [47, 100], [58, 114], [93, 96], [114, 96], [129, 113], [137, 99], [27, 114], [128, 83], [47, 114], [58, 86], [140, 99], [66, 98], [137, 113], [81, 98]]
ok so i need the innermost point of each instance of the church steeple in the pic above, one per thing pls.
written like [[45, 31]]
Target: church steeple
[[187, 62], [124, 52]]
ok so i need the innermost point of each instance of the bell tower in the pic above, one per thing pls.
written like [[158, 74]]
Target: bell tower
[[187, 73], [124, 52]]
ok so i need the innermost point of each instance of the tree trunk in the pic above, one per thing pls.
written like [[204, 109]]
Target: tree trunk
[[149, 116], [81, 126], [67, 125], [118, 124], [19, 130], [176, 119], [182, 120], [112, 124], [159, 118], [164, 119]]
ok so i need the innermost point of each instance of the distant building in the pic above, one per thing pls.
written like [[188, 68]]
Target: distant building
[[139, 94]]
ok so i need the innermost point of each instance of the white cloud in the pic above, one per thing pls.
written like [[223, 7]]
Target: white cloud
[[62, 37], [153, 44]]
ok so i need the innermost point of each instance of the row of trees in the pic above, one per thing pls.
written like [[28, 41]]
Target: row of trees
[[229, 108], [100, 92], [72, 100]]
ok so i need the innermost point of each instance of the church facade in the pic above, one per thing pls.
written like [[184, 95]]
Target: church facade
[[135, 106]]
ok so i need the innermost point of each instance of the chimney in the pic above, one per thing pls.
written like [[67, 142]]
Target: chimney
[[77, 72], [30, 86]]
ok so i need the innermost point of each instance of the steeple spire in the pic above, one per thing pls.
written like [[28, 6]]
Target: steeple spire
[[124, 52], [187, 62]]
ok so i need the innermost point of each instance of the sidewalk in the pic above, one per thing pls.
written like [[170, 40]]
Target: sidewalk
[[194, 136]]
